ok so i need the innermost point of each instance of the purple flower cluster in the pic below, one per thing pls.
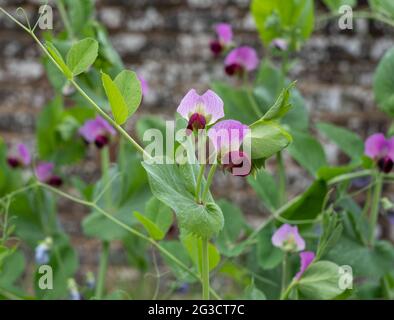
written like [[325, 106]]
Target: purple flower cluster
[[20, 157], [203, 111], [97, 131], [240, 59]]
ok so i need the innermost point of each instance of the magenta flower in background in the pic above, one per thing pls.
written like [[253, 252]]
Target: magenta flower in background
[[224, 37], [20, 157], [201, 111], [288, 239], [241, 59], [44, 173], [280, 44], [306, 259], [98, 131], [227, 137], [381, 150], [144, 84]]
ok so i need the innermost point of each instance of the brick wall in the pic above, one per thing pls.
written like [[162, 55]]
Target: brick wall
[[167, 42]]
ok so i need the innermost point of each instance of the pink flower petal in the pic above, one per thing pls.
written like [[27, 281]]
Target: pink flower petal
[[144, 85], [224, 33], [209, 105], [213, 106], [24, 154], [189, 103], [96, 127], [227, 135], [376, 146], [44, 171], [288, 233], [244, 56], [307, 258]]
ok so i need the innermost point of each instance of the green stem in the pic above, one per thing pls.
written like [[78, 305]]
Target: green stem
[[251, 97], [377, 193], [133, 231], [105, 164], [64, 17], [209, 182], [284, 273], [199, 182], [286, 292], [350, 176], [205, 269], [282, 178], [102, 269]]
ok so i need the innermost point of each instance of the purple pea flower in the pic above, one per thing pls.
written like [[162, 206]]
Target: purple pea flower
[[20, 157], [201, 111], [227, 137], [224, 37], [381, 150], [98, 131], [280, 44], [306, 258], [144, 84], [288, 239], [44, 173], [241, 59]]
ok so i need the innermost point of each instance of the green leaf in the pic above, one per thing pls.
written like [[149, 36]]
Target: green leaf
[[228, 239], [268, 86], [80, 13], [266, 138], [157, 220], [307, 151], [320, 281], [55, 54], [281, 106], [309, 205], [118, 104], [129, 192], [266, 188], [82, 55], [237, 104], [130, 88], [332, 230], [179, 251], [383, 84], [384, 7], [252, 293], [334, 5], [173, 184], [274, 19], [365, 261], [193, 246], [153, 230], [349, 142]]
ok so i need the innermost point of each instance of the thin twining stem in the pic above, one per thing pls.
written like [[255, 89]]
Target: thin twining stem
[[129, 229]]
